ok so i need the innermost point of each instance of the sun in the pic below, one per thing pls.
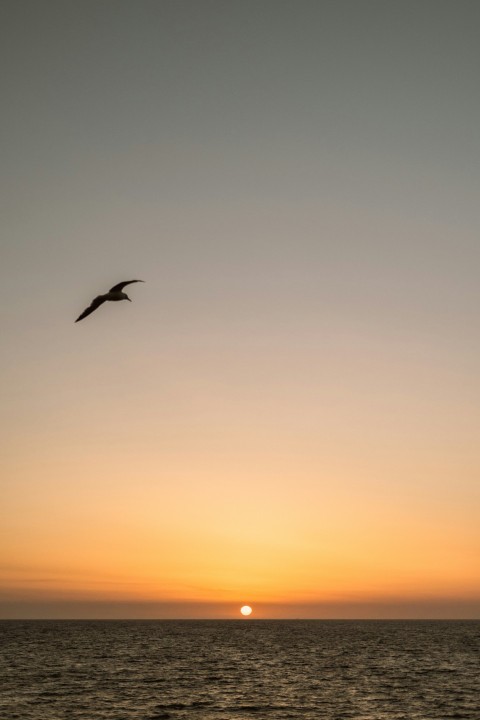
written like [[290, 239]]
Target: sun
[[246, 610]]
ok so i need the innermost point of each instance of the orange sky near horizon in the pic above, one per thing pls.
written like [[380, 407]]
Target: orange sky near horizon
[[305, 527]]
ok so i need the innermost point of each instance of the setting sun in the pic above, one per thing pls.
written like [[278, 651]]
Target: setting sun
[[246, 610]]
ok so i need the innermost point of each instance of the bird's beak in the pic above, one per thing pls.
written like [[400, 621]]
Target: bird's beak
[[129, 299]]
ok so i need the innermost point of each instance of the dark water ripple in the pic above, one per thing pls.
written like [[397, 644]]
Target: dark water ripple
[[245, 670]]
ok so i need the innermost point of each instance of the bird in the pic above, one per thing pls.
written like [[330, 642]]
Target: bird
[[114, 294]]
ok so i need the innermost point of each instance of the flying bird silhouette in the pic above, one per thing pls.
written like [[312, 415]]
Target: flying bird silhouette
[[114, 294]]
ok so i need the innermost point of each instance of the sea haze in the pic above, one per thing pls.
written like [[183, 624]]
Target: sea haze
[[225, 670]]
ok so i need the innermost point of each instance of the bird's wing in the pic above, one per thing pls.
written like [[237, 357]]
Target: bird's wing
[[121, 285], [93, 306]]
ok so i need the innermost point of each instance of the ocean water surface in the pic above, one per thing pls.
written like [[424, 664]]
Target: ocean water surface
[[239, 670]]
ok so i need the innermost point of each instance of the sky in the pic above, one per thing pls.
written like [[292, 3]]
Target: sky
[[287, 414]]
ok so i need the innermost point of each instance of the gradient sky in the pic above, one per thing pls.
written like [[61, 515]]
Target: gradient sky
[[288, 412]]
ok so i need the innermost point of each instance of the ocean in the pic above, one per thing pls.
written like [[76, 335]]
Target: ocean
[[239, 670]]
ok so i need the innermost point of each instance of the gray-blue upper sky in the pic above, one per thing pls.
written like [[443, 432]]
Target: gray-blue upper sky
[[297, 182], [165, 131]]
